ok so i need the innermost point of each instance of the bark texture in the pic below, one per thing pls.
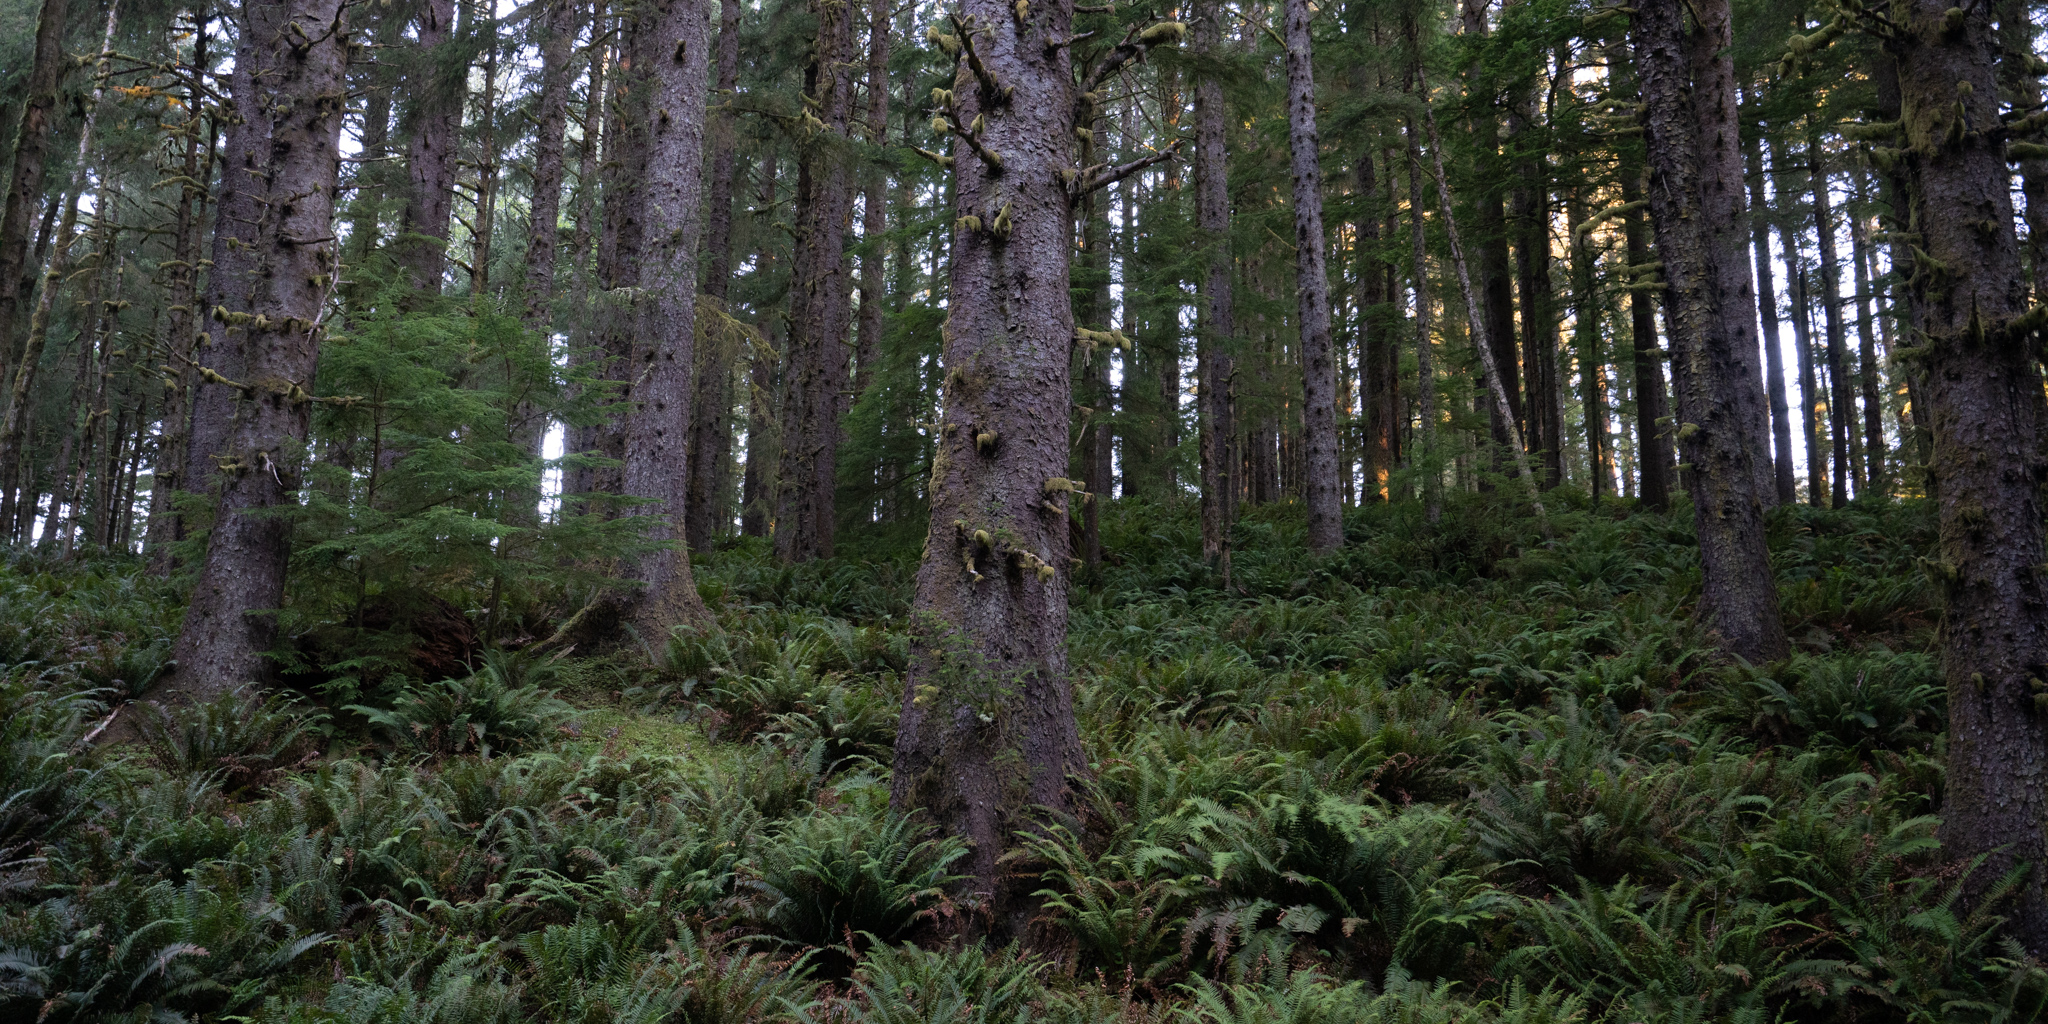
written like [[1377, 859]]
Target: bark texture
[[988, 729], [437, 82], [711, 412], [1215, 364], [557, 49], [1984, 401], [818, 311], [658, 433], [1312, 292], [31, 153], [1701, 227], [297, 51]]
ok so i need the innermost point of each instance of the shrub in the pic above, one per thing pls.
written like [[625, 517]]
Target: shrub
[[502, 707]]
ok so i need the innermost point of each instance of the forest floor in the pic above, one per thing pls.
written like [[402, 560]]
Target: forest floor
[[1463, 773]]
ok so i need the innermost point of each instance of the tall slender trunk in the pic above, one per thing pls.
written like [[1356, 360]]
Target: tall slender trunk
[[584, 341], [988, 731], [1482, 342], [297, 52], [1696, 205], [1786, 484], [1840, 405], [1541, 404], [180, 328], [764, 367], [1379, 355], [1218, 329], [436, 85], [657, 439], [1876, 473], [1425, 366], [32, 143], [2021, 84], [1586, 338], [14, 429], [559, 26], [1654, 427], [484, 226], [625, 238], [1809, 384], [1489, 235], [1983, 391], [805, 510], [1312, 288], [711, 411]]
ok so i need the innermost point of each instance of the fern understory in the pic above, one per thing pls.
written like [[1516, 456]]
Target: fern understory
[[1473, 773]]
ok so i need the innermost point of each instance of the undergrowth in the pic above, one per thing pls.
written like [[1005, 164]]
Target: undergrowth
[[1471, 773]]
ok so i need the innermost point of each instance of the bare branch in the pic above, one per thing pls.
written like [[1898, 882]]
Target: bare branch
[[1111, 175]]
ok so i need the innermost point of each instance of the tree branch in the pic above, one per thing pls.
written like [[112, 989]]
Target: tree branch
[[1112, 175]]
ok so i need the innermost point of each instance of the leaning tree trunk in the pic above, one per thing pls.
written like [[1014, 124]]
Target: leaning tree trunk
[[711, 411], [31, 153], [658, 425], [1984, 400], [1696, 177], [818, 313], [1783, 478], [1218, 328], [296, 50], [437, 85], [988, 732], [1312, 288]]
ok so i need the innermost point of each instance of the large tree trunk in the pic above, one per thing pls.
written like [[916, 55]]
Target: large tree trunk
[[1786, 484], [1696, 204], [1214, 344], [437, 85], [1840, 405], [817, 354], [711, 412], [1984, 399], [658, 425], [988, 730], [297, 51], [25, 180], [1312, 288]]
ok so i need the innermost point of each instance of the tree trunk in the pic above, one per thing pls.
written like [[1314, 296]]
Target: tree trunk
[[2021, 86], [1218, 330], [1489, 230], [988, 731], [437, 85], [557, 50], [1586, 337], [1379, 351], [1696, 206], [14, 429], [298, 84], [25, 181], [658, 431], [584, 346], [711, 420], [181, 330], [1541, 408], [1984, 400], [1784, 482], [817, 353], [1809, 385], [1425, 366], [1840, 405], [1877, 474], [1312, 289], [757, 485]]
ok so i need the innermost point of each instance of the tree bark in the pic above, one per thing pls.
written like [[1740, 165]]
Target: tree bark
[[32, 143], [1218, 329], [1379, 351], [1696, 206], [181, 328], [764, 367], [437, 83], [1876, 473], [1489, 234], [1809, 385], [561, 22], [1984, 400], [711, 419], [817, 354], [1586, 337], [657, 437], [1840, 404], [1312, 290], [297, 51], [988, 730], [1425, 365], [1784, 482]]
